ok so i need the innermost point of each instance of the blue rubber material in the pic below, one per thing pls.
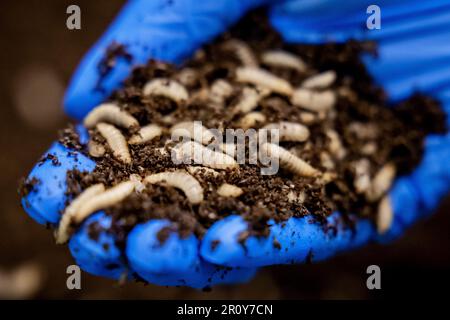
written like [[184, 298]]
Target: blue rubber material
[[412, 197], [100, 256], [413, 42], [176, 262], [47, 200], [414, 54]]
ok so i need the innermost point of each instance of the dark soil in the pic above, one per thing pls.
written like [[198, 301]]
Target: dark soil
[[399, 135], [114, 52]]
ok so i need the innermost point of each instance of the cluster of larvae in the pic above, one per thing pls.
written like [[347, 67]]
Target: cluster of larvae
[[314, 100]]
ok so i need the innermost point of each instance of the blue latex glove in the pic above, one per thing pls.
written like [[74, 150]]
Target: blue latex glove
[[171, 31]]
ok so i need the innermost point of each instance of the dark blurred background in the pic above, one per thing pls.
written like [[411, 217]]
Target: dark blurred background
[[38, 54]]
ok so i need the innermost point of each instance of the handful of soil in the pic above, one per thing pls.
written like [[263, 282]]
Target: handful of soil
[[340, 144]]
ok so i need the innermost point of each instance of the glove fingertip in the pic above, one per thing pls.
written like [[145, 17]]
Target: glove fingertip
[[45, 199], [95, 250], [153, 249], [295, 240]]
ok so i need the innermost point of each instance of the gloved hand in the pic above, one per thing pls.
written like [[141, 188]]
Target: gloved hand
[[170, 31]]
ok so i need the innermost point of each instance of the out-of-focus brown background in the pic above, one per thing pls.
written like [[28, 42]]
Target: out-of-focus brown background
[[38, 54]]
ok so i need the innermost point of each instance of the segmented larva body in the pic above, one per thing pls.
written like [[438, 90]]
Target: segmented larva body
[[290, 131], [62, 234], [104, 200], [116, 141], [187, 76], [192, 129], [181, 180], [248, 101], [326, 161], [381, 182], [320, 81], [369, 148], [362, 176], [328, 176], [168, 88], [137, 180], [252, 120], [279, 58], [307, 118], [146, 134], [220, 91], [335, 146], [192, 151], [363, 130], [229, 148], [229, 190], [111, 113], [290, 161], [264, 78], [314, 101], [95, 149], [385, 215], [243, 52], [296, 198]]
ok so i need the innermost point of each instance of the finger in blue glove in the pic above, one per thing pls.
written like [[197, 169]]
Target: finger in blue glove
[[176, 262]]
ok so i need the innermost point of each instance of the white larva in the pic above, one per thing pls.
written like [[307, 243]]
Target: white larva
[[162, 151], [363, 130], [264, 78], [229, 148], [194, 152], [116, 141], [252, 119], [192, 129], [219, 92], [111, 113], [328, 176], [62, 234], [369, 148], [307, 118], [326, 161], [104, 200], [279, 58], [243, 52], [335, 146], [313, 101], [362, 176], [385, 215], [320, 81], [248, 101], [137, 180], [229, 190], [187, 76], [181, 180], [168, 88], [381, 182], [95, 149], [146, 134], [289, 131], [290, 161], [292, 197]]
